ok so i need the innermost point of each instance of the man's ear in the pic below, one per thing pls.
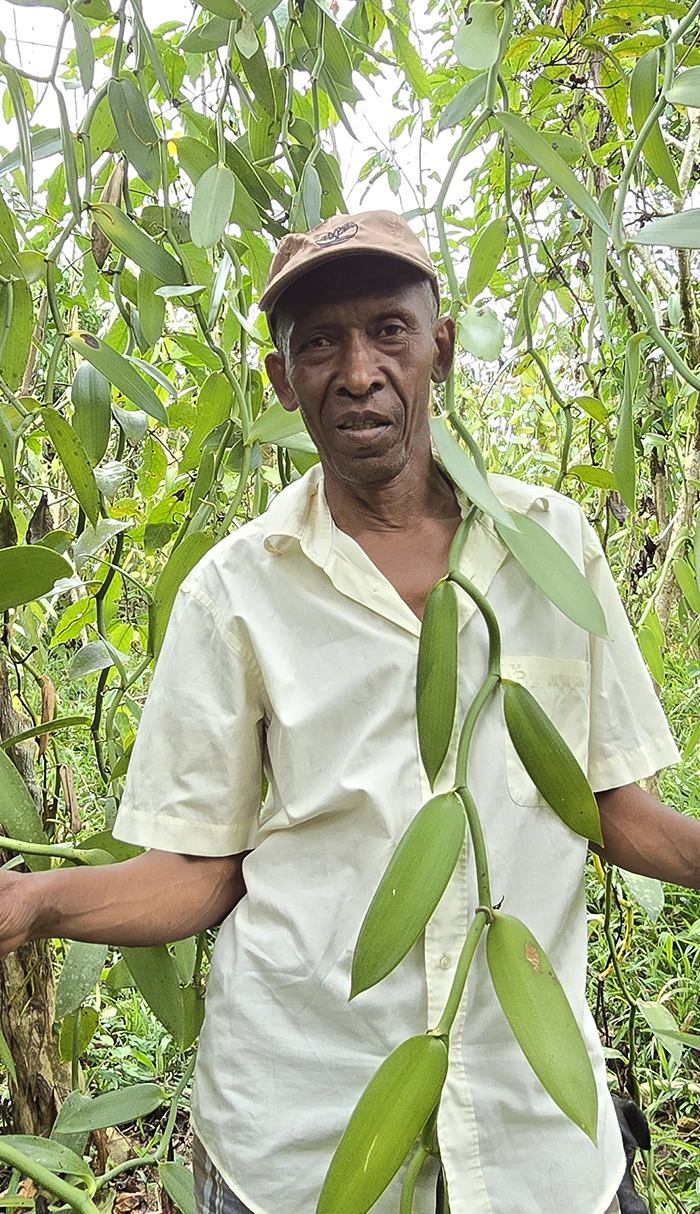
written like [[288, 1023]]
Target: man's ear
[[277, 371], [444, 338]]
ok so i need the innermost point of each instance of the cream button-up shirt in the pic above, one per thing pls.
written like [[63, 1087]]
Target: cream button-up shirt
[[288, 652]]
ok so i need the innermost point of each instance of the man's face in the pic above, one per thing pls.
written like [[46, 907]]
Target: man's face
[[359, 357]]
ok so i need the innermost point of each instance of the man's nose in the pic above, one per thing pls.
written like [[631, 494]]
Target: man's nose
[[358, 373]]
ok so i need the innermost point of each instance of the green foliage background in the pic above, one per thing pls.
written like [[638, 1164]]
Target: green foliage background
[[137, 426]]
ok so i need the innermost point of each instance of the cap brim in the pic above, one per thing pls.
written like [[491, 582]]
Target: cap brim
[[288, 277]]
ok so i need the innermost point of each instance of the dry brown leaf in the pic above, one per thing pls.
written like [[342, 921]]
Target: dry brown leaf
[[66, 777], [48, 708]]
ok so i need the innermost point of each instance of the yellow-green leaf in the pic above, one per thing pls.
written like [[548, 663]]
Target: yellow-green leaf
[[213, 407], [436, 700], [7, 455], [644, 85], [151, 308], [463, 103], [550, 764], [553, 570], [481, 333], [409, 891], [681, 231], [15, 351], [541, 153], [385, 1123], [73, 456], [79, 974], [599, 263], [539, 1013], [488, 251], [119, 372]]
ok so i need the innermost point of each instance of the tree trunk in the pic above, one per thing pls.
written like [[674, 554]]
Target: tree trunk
[[27, 990]]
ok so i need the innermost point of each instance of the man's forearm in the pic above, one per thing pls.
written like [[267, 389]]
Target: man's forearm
[[644, 836], [153, 899]]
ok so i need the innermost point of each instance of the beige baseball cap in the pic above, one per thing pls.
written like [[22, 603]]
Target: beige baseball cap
[[380, 232]]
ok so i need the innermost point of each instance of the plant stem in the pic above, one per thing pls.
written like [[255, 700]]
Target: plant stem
[[466, 957], [479, 844], [77, 1199]]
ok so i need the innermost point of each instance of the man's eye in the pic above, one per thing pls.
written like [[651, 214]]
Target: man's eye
[[391, 329], [317, 343]]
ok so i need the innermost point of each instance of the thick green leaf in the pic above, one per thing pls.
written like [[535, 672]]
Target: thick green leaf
[[93, 656], [87, 1027], [178, 1183], [50, 1154], [646, 891], [685, 576], [624, 463], [651, 652], [257, 71], [155, 974], [44, 143], [29, 572], [135, 127], [73, 456], [663, 1025], [552, 767], [7, 455], [644, 86], [19, 106], [311, 195], [19, 816], [539, 1013], [119, 372], [13, 359], [275, 424], [134, 243], [409, 891], [599, 261], [84, 49], [481, 333], [211, 205], [207, 37], [681, 231], [591, 474], [477, 38], [487, 253], [110, 1109], [465, 474], [92, 414], [463, 103], [178, 565], [70, 165], [685, 89], [151, 308], [541, 153], [552, 569], [385, 1123], [438, 669], [80, 973], [213, 407]]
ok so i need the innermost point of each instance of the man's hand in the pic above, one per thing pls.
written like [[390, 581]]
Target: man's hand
[[643, 836], [154, 899]]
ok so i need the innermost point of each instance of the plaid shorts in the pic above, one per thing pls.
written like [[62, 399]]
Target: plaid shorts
[[211, 1193], [213, 1196]]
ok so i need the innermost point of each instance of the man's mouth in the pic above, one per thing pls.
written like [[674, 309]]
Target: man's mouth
[[362, 425]]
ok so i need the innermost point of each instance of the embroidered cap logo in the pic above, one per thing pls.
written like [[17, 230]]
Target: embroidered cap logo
[[337, 235]]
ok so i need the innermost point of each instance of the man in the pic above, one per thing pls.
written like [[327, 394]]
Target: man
[[292, 647]]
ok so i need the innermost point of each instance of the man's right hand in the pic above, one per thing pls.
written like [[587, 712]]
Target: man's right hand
[[154, 899]]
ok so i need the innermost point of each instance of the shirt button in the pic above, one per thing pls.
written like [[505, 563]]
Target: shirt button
[[445, 962]]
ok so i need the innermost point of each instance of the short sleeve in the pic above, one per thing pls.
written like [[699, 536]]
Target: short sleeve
[[195, 775], [629, 737]]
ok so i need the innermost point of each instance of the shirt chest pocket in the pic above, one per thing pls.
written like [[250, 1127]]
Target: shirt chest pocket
[[562, 688]]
